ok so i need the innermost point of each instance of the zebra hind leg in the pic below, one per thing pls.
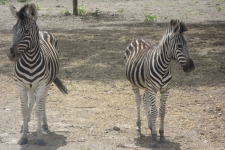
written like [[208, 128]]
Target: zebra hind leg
[[162, 111], [147, 109], [138, 103]]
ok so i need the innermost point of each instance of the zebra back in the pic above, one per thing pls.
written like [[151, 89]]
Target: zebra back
[[136, 65]]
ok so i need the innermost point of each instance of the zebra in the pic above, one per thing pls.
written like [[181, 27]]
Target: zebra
[[35, 60], [148, 66]]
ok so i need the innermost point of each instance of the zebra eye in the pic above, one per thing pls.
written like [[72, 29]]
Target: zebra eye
[[179, 46], [127, 53]]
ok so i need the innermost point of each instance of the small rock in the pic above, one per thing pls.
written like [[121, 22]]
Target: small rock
[[82, 140], [6, 109], [115, 128], [127, 146]]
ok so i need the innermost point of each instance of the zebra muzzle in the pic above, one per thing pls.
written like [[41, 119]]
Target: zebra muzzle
[[190, 66], [13, 53]]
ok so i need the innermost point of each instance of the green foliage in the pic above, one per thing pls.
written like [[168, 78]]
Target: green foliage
[[66, 12], [38, 7], [150, 19], [46, 15], [97, 12], [3, 2], [196, 1], [82, 10], [218, 8], [148, 4], [121, 10], [22, 1]]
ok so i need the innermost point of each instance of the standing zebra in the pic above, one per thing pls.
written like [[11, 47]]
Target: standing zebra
[[36, 66], [148, 66]]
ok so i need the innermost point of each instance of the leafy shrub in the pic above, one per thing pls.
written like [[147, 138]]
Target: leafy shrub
[[82, 10], [97, 12], [38, 7], [150, 19], [66, 12]]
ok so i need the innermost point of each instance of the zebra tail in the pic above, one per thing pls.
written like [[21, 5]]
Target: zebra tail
[[60, 86]]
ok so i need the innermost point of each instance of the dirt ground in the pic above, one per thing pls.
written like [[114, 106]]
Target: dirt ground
[[99, 113]]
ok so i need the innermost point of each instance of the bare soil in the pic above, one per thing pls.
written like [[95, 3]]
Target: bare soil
[[99, 112]]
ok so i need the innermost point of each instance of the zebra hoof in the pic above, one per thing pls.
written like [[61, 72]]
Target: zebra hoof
[[40, 142], [162, 140], [138, 132], [154, 145], [45, 127], [23, 141]]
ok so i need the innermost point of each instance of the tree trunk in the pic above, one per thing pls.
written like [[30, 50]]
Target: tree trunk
[[75, 9]]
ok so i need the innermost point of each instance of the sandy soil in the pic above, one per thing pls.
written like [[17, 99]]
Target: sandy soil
[[99, 112]]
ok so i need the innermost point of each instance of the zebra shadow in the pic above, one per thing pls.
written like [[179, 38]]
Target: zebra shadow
[[52, 141], [145, 141]]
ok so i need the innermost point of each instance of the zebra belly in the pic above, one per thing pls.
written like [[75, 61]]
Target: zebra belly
[[136, 75], [158, 83]]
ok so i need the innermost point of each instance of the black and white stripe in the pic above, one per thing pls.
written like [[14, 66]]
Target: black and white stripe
[[148, 66], [36, 65]]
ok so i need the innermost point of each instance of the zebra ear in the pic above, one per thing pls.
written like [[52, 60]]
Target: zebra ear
[[176, 28], [13, 11], [32, 11]]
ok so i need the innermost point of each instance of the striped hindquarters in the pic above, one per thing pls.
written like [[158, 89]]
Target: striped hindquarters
[[136, 65]]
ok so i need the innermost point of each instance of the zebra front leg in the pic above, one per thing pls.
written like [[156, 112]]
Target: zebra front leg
[[40, 95], [162, 111], [138, 103], [44, 117], [31, 100], [152, 114], [24, 109]]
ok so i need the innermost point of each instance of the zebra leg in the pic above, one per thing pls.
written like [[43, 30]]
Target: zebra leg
[[40, 95], [138, 103], [162, 111], [152, 114], [44, 117], [147, 108], [24, 109], [31, 100]]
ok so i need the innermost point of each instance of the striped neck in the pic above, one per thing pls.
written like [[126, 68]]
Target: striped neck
[[33, 49], [162, 55]]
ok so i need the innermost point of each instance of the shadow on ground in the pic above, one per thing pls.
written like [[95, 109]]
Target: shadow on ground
[[145, 141], [98, 55], [53, 141]]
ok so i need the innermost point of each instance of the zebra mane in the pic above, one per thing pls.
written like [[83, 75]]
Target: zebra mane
[[22, 12], [175, 23]]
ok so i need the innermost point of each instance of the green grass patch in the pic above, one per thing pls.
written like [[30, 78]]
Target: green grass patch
[[66, 12], [82, 10], [150, 19]]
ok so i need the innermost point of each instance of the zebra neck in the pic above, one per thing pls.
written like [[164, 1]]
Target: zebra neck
[[162, 58], [32, 56]]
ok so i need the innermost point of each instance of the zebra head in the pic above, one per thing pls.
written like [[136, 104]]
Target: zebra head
[[178, 45], [25, 31]]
